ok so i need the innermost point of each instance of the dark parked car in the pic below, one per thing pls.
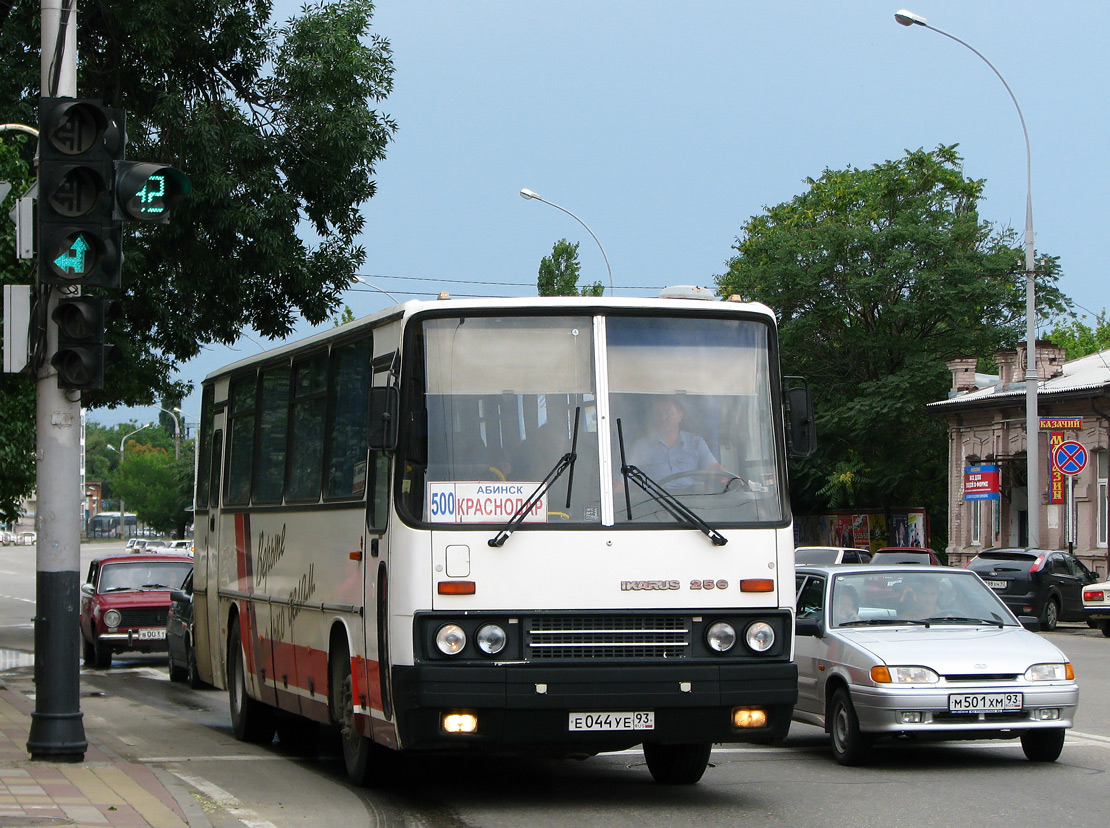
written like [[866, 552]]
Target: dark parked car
[[179, 635], [124, 602], [906, 555], [1042, 582]]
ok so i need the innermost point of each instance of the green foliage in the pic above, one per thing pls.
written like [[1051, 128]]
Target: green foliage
[[559, 273], [156, 487], [342, 318], [17, 392], [1079, 339], [879, 276], [277, 130]]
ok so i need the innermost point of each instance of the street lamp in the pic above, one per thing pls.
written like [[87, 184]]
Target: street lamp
[[176, 432], [122, 508], [1032, 427], [528, 195], [361, 281]]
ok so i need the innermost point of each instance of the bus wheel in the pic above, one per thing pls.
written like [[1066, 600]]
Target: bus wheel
[[677, 764], [251, 720], [358, 751]]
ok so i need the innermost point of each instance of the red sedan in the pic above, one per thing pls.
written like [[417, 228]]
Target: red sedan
[[124, 602]]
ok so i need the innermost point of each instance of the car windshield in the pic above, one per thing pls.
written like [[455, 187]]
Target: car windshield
[[117, 577], [933, 596]]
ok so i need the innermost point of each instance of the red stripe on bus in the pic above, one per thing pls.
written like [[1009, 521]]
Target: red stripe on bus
[[295, 665]]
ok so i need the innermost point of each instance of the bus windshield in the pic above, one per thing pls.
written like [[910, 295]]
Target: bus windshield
[[493, 403]]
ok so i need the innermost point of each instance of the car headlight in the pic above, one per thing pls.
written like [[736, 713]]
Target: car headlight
[[112, 618], [491, 639], [904, 675], [450, 638], [1049, 672], [760, 636], [721, 636]]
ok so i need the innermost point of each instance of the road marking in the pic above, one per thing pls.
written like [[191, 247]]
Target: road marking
[[17, 598], [224, 800]]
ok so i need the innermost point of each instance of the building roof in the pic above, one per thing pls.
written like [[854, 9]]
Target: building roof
[[1087, 376]]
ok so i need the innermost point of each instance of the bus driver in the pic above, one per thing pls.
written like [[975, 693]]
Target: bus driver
[[666, 450]]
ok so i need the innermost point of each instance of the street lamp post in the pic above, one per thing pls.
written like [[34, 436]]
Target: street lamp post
[[122, 508], [528, 195], [1032, 427], [176, 433]]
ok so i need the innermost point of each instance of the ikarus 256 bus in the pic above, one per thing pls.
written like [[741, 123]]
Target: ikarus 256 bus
[[552, 526]]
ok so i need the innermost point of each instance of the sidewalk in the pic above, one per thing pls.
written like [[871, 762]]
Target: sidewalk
[[101, 791]]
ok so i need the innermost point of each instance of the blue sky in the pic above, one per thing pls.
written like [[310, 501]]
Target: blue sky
[[665, 126]]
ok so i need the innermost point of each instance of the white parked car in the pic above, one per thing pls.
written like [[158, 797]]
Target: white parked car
[[1096, 604], [925, 653]]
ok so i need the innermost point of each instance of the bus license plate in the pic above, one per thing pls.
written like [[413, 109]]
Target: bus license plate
[[985, 702], [152, 635], [640, 720], [996, 584]]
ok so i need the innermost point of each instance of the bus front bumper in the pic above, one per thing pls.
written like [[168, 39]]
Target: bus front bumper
[[530, 708]]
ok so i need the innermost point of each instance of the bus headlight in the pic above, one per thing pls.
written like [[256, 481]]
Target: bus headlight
[[491, 639], [721, 636], [760, 636], [112, 618], [450, 639]]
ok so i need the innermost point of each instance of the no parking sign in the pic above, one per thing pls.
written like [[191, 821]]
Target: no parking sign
[[1069, 457]]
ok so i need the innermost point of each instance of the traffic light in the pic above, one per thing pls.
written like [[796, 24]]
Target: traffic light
[[87, 191], [148, 192], [82, 354], [80, 142]]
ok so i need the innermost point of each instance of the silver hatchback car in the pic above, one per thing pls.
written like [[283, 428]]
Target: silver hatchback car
[[929, 652]]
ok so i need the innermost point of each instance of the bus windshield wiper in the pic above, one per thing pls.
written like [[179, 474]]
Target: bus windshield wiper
[[565, 462], [673, 506]]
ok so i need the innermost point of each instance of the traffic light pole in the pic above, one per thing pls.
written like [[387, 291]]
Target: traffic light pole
[[57, 730]]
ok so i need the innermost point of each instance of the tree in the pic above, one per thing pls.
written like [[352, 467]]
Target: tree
[[878, 276], [1079, 339], [156, 486], [559, 273], [17, 398], [275, 127]]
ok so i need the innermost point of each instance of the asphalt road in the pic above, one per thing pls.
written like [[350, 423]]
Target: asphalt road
[[135, 711]]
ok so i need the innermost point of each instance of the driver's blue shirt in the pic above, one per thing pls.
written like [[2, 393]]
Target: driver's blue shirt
[[658, 460]]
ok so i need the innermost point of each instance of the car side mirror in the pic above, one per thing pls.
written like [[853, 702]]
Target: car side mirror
[[809, 626], [384, 405], [87, 589], [179, 595], [1030, 622]]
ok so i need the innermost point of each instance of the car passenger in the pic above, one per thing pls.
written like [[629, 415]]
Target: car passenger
[[920, 601], [845, 605]]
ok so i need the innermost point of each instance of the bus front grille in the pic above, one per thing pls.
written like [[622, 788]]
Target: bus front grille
[[608, 637]]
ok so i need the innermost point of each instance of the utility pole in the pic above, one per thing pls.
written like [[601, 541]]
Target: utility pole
[[57, 731]]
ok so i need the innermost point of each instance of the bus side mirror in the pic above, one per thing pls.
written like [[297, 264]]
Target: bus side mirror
[[801, 429], [382, 426]]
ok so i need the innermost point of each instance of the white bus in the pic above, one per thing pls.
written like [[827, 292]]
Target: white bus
[[476, 526]]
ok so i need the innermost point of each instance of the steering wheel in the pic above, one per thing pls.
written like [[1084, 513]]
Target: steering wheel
[[704, 476]]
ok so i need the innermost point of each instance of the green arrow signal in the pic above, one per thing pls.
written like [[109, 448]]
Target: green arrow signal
[[74, 259]]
